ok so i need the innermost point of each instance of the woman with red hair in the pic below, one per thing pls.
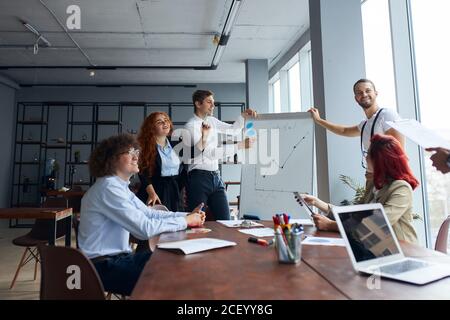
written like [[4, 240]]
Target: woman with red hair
[[393, 185], [161, 171]]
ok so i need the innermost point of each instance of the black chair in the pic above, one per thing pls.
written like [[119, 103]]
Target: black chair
[[38, 235]]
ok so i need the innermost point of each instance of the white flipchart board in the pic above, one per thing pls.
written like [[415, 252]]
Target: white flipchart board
[[264, 193]]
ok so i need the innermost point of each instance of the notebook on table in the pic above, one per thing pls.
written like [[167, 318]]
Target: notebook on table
[[196, 245]]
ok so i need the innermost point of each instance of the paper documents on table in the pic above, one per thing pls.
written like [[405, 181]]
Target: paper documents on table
[[258, 232], [196, 245], [305, 222], [321, 241], [238, 223], [419, 134]]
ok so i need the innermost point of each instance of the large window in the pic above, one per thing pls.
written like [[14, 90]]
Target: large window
[[430, 26], [277, 96], [294, 88], [378, 50], [290, 88]]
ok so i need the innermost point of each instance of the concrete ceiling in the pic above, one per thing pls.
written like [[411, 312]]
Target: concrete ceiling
[[145, 33]]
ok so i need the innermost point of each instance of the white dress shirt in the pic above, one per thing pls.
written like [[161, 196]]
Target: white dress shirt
[[110, 212], [380, 127], [209, 159]]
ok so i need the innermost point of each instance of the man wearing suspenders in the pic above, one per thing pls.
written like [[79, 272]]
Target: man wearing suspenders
[[375, 123]]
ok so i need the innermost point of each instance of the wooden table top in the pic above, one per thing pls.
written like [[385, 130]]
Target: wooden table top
[[243, 272], [66, 194], [249, 271], [35, 213]]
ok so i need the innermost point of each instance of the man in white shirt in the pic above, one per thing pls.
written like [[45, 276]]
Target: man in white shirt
[[204, 182], [375, 122], [110, 212]]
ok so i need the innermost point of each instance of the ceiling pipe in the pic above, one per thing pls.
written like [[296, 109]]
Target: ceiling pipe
[[226, 32], [224, 37]]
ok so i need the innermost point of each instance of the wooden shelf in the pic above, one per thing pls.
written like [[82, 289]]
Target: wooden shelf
[[82, 184], [29, 142], [32, 122], [108, 123], [27, 162], [79, 142], [27, 205], [81, 123], [55, 146]]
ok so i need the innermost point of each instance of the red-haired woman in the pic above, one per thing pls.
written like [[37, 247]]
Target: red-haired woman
[[161, 171], [393, 185]]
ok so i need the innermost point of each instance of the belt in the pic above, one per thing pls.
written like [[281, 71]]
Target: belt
[[204, 171], [103, 258]]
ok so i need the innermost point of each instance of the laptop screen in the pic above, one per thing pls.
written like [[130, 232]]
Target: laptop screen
[[368, 234]]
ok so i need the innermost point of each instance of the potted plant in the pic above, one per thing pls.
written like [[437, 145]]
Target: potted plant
[[359, 190], [359, 193]]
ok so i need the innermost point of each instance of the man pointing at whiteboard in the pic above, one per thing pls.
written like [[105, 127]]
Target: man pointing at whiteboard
[[375, 122]]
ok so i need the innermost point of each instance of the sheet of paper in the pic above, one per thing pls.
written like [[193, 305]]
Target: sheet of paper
[[259, 232], [321, 241], [419, 134], [238, 223], [305, 222], [196, 245]]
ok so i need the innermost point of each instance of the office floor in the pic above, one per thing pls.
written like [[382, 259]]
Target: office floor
[[25, 288]]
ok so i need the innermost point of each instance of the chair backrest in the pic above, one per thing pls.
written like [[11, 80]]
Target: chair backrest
[[67, 274], [442, 237]]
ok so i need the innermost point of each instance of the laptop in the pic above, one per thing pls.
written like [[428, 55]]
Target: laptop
[[374, 249]]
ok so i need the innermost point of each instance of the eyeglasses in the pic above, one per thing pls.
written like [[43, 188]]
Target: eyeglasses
[[132, 152]]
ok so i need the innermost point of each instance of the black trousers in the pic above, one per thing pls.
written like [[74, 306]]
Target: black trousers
[[168, 191], [208, 187]]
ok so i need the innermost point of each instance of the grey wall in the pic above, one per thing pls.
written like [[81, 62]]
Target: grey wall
[[7, 103], [223, 93], [257, 78]]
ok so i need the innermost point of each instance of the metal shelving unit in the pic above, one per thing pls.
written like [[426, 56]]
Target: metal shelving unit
[[92, 124]]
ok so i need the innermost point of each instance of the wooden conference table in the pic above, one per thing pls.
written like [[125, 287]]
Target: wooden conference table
[[249, 271], [52, 214]]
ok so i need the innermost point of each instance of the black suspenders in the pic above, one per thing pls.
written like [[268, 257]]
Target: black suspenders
[[372, 131]]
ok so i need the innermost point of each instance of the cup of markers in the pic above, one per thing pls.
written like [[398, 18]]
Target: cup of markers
[[288, 239]]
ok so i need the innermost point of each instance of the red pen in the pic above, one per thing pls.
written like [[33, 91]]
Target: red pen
[[261, 242]]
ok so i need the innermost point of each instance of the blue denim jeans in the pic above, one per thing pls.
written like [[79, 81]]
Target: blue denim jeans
[[120, 273]]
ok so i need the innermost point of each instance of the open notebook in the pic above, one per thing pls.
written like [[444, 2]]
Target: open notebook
[[196, 245]]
